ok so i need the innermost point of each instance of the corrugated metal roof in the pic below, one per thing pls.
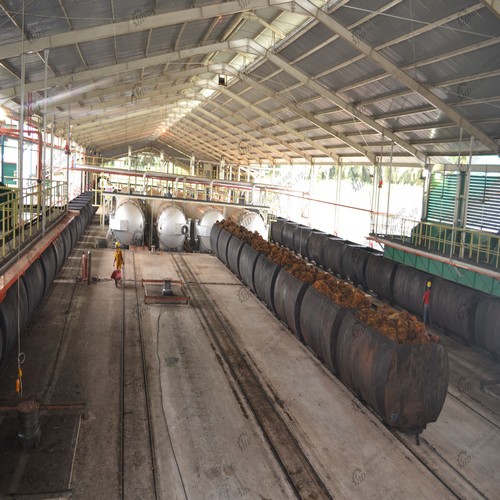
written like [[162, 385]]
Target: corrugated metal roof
[[371, 72]]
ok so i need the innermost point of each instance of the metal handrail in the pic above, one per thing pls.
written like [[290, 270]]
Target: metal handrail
[[21, 221], [478, 246]]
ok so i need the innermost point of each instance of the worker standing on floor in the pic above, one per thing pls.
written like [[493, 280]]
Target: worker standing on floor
[[426, 301], [118, 263]]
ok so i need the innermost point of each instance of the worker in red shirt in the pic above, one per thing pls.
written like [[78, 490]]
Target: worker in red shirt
[[426, 301]]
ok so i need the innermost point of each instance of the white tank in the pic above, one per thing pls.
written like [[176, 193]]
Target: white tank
[[172, 226], [252, 221], [203, 226], [127, 223]]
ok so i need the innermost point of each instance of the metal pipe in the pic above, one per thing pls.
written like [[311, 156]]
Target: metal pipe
[[41, 178], [52, 137], [466, 198], [457, 199], [68, 150], [389, 191], [211, 189], [189, 179]]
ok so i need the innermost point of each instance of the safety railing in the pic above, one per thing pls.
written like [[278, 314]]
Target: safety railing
[[21, 221], [476, 246]]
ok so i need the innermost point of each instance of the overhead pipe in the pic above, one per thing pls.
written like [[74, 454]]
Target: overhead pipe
[[243, 185]]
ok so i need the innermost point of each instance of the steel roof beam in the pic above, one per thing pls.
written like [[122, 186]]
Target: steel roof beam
[[321, 45], [90, 124], [186, 141], [147, 23], [463, 99], [270, 136], [333, 97], [184, 138], [102, 122], [263, 134], [310, 117], [279, 123], [237, 130], [402, 38], [403, 77], [155, 106], [493, 5], [138, 85], [210, 123], [137, 64], [172, 93], [204, 131], [430, 60], [159, 114], [276, 140]]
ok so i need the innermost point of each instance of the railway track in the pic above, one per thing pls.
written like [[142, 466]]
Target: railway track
[[137, 472], [297, 468]]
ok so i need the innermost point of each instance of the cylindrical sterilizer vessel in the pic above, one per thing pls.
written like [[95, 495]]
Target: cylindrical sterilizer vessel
[[172, 226], [127, 223]]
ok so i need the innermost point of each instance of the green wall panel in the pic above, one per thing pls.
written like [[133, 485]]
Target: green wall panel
[[436, 267], [422, 263], [461, 276]]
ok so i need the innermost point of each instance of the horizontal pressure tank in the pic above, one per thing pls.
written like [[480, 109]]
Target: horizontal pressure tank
[[252, 221], [203, 226], [172, 226], [128, 222]]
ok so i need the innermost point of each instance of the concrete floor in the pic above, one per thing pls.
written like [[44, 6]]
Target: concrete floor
[[206, 441]]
